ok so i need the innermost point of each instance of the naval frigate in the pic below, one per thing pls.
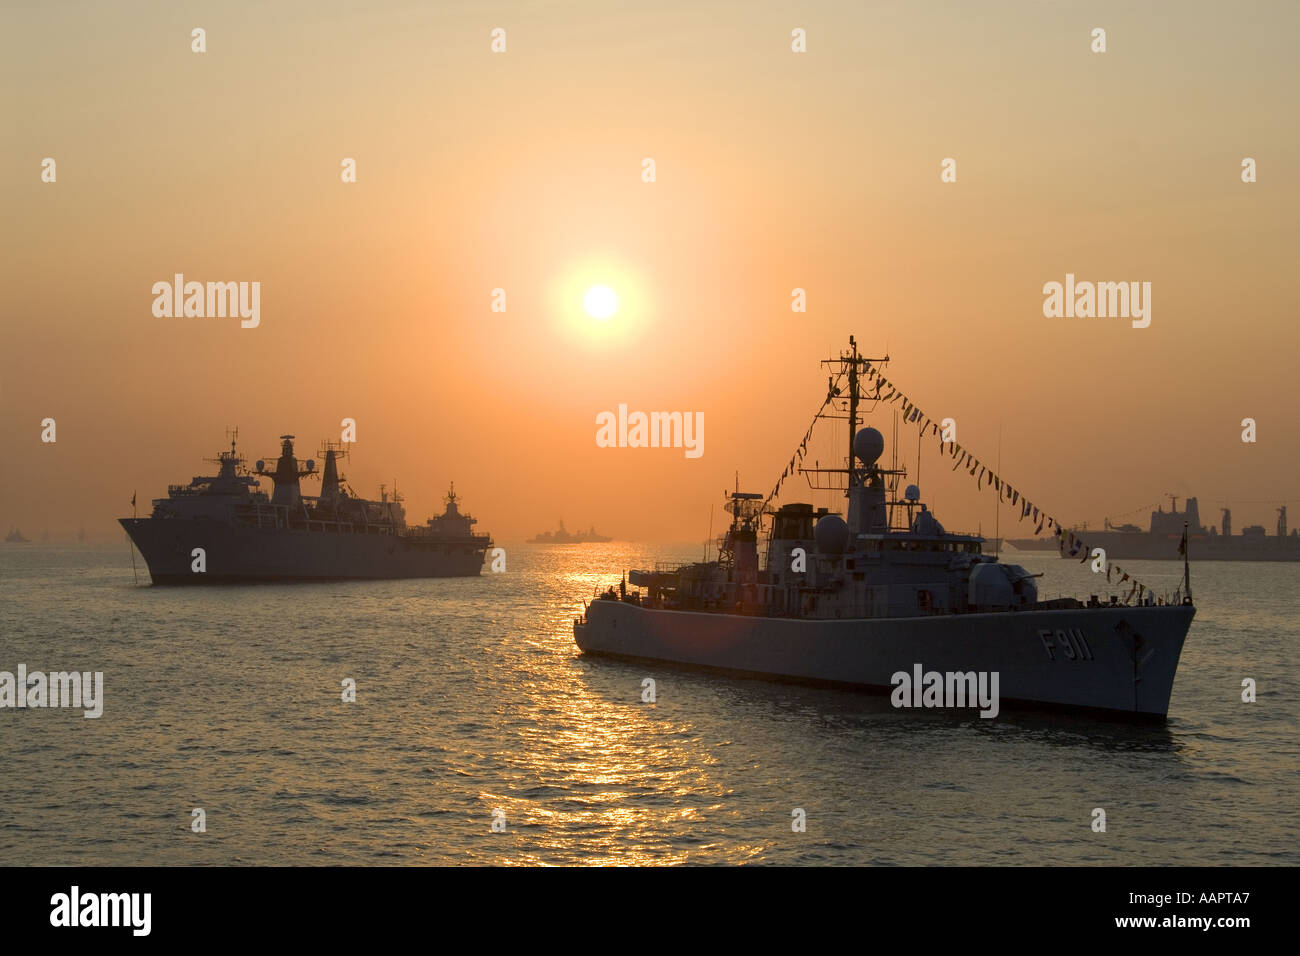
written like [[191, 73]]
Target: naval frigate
[[244, 535], [854, 602]]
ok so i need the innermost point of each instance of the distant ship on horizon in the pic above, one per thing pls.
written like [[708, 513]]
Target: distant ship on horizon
[[15, 537], [223, 528], [1160, 541], [562, 536]]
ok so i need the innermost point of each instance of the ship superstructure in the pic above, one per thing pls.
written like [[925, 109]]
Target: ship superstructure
[[855, 599], [244, 534]]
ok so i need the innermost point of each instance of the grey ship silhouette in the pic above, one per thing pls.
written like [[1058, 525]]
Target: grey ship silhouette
[[1160, 541], [222, 528], [855, 602], [563, 536]]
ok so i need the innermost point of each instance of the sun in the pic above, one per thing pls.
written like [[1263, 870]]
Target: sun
[[600, 302]]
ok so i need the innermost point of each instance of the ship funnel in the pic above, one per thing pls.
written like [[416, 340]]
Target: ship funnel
[[329, 485], [286, 475]]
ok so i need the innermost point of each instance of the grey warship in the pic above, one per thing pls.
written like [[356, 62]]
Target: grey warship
[[564, 536], [854, 602], [222, 528]]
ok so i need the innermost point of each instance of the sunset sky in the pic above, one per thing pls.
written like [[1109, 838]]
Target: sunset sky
[[523, 171]]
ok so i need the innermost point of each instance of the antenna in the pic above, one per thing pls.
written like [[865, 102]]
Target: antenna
[[710, 537], [919, 435], [997, 514]]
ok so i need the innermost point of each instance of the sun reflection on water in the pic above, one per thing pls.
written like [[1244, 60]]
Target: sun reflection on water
[[609, 773]]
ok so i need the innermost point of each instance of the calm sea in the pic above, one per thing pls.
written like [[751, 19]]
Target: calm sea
[[473, 699]]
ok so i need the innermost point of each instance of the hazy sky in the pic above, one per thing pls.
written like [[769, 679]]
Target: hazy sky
[[523, 171]]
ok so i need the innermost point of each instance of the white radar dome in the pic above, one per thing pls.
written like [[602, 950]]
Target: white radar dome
[[831, 534], [868, 445]]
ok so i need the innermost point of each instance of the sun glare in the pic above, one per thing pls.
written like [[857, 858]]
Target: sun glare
[[583, 303], [600, 302]]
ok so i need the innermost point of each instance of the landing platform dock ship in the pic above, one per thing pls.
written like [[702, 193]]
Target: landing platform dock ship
[[853, 602], [246, 536], [1160, 541]]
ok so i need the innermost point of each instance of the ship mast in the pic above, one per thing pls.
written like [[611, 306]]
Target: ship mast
[[849, 363], [853, 404]]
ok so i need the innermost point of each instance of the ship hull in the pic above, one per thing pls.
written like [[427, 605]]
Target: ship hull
[[242, 554], [1123, 665]]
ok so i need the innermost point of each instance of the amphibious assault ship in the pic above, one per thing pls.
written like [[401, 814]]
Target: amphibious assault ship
[[855, 601], [223, 528], [1160, 541]]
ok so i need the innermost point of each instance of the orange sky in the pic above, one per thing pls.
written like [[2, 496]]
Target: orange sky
[[522, 171]]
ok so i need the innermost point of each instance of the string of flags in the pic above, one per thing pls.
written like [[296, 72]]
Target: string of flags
[[832, 391], [1069, 544]]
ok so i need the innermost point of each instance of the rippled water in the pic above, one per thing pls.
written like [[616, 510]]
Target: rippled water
[[472, 697]]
